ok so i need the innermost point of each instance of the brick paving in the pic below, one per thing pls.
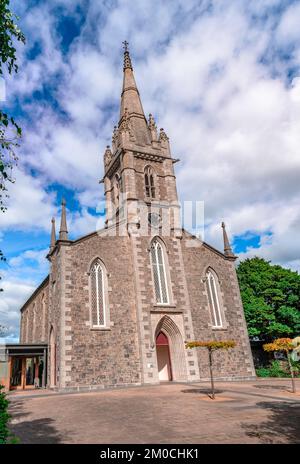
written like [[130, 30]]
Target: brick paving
[[262, 411]]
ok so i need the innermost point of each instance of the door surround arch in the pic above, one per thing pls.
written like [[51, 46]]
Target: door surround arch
[[176, 347]]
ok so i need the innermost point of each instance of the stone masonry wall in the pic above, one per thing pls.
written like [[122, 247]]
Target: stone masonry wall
[[233, 363], [100, 357]]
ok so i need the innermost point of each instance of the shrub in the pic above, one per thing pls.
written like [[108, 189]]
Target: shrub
[[263, 372], [4, 416], [278, 369]]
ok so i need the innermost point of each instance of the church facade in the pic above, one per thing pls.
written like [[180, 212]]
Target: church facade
[[119, 304]]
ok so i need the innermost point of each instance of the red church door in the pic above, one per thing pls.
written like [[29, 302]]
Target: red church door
[[163, 357]]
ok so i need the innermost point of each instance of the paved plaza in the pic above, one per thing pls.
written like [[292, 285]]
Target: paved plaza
[[261, 411]]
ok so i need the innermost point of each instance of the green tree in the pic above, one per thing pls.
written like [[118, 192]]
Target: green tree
[[10, 132], [271, 299], [9, 129]]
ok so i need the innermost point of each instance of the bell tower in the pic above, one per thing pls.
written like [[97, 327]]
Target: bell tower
[[139, 179]]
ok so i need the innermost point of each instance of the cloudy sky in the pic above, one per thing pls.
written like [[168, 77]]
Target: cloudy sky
[[223, 79]]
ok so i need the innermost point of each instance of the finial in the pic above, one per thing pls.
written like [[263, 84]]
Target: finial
[[227, 247], [63, 232], [107, 156], [125, 43], [53, 235], [152, 127], [163, 135], [114, 139], [151, 122], [127, 60], [124, 126]]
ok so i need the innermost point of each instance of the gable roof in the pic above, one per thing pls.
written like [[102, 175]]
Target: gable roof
[[36, 291]]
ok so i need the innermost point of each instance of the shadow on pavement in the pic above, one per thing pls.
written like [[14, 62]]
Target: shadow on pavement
[[37, 431], [282, 425], [273, 387], [205, 391]]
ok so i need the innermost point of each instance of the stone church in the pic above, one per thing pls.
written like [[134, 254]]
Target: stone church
[[120, 303]]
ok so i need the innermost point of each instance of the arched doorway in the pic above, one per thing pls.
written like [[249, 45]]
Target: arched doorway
[[177, 357], [52, 359], [163, 357]]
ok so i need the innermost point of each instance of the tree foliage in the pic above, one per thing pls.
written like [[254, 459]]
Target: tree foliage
[[10, 132], [4, 417], [280, 344], [212, 346], [271, 299], [9, 31]]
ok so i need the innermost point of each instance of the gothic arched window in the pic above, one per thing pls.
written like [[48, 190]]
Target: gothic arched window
[[33, 330], [99, 304], [149, 182], [159, 272], [43, 316], [213, 299]]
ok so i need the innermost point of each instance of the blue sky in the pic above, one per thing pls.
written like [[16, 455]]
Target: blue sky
[[221, 77]]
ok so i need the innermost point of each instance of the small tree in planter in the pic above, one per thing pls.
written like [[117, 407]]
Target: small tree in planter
[[212, 346], [286, 345]]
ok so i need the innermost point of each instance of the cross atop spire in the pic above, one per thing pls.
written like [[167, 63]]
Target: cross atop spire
[[127, 59]]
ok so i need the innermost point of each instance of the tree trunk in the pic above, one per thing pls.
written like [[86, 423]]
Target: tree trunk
[[211, 375], [292, 373]]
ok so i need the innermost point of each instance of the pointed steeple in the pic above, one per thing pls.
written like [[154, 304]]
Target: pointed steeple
[[227, 248], [131, 107], [63, 232], [53, 235]]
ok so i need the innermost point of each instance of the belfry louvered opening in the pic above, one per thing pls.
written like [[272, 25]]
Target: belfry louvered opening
[[149, 182]]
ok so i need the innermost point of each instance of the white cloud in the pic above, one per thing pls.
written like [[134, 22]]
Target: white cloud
[[19, 279], [288, 29], [14, 295], [29, 206]]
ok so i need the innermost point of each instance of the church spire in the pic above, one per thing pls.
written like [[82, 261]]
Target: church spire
[[227, 248], [131, 109], [63, 232], [53, 235]]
